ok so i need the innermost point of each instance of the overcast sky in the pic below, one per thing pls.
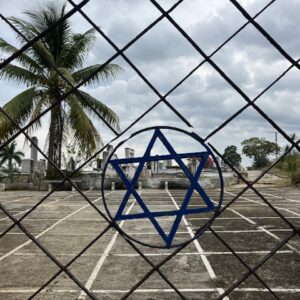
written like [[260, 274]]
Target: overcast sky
[[164, 57]]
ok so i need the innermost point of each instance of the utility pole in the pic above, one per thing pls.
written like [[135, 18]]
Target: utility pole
[[276, 136]]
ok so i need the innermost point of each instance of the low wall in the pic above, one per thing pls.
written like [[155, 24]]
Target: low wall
[[211, 181], [93, 181], [18, 186], [2, 186]]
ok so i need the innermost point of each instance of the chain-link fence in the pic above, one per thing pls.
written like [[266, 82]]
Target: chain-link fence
[[73, 89]]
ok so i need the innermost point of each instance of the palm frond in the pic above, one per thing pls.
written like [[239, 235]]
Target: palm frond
[[107, 72], [76, 50], [103, 110], [21, 75], [39, 51], [43, 54], [25, 60], [8, 154], [85, 134], [39, 15], [67, 75], [27, 29], [40, 104], [19, 109], [3, 160], [17, 158], [12, 147], [19, 153], [46, 16]]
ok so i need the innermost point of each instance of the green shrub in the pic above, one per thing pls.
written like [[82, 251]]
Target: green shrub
[[295, 178]]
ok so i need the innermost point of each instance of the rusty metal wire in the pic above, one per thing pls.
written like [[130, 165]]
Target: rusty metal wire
[[206, 58]]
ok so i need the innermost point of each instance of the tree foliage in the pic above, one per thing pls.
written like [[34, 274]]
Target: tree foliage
[[9, 156], [232, 156], [291, 162], [259, 149], [65, 51], [10, 159]]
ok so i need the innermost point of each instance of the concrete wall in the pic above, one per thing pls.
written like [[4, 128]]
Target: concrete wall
[[90, 181], [93, 181], [17, 186], [175, 183]]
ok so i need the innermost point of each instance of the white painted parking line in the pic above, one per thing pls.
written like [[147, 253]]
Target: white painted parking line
[[21, 212], [233, 218], [264, 204], [102, 259], [46, 230], [204, 259], [260, 227], [280, 197], [56, 219], [5, 196], [157, 254], [236, 205], [52, 291], [42, 205], [155, 233], [283, 290], [16, 200]]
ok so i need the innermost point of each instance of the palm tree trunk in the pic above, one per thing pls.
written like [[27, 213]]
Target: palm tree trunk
[[55, 140]]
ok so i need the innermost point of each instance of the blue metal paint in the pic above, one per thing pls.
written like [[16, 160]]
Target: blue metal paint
[[168, 238]]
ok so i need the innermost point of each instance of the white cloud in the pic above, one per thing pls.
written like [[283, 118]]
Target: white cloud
[[164, 57]]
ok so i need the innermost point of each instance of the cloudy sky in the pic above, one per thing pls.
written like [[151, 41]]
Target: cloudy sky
[[165, 57]]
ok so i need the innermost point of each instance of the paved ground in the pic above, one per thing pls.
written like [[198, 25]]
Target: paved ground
[[65, 223]]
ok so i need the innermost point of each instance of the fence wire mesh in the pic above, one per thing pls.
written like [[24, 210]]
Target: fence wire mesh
[[163, 99]]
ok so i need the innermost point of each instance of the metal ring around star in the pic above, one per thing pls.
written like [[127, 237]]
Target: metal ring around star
[[183, 210]]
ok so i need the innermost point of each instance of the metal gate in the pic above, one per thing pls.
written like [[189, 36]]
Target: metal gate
[[163, 100]]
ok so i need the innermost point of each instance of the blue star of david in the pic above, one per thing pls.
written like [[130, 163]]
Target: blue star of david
[[184, 210]]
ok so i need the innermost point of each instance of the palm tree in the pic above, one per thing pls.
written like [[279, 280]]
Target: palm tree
[[65, 51], [9, 158]]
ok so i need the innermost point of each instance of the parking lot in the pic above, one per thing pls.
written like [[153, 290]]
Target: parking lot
[[65, 223]]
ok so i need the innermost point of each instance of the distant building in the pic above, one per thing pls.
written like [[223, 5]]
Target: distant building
[[27, 166], [129, 153], [129, 169], [32, 165], [168, 163]]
